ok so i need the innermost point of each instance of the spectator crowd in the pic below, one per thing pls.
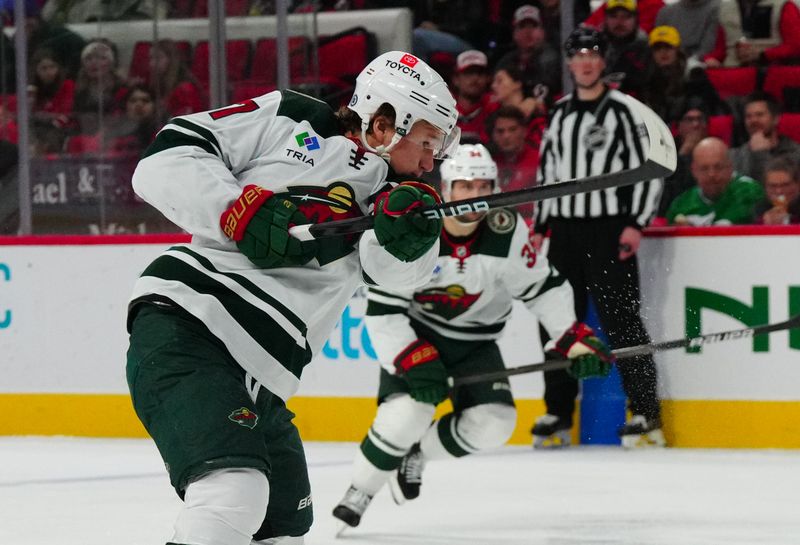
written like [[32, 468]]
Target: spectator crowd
[[696, 63]]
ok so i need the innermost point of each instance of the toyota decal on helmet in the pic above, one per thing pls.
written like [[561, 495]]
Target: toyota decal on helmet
[[415, 91]]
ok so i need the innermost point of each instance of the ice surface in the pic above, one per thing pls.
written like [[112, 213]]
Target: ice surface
[[69, 491]]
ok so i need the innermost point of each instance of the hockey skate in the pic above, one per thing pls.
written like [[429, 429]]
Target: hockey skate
[[406, 482], [351, 508], [550, 431], [638, 432]]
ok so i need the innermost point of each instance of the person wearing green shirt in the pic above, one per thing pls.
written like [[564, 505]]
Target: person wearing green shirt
[[722, 196]]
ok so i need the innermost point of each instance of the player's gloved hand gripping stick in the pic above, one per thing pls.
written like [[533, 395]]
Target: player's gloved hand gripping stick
[[660, 161]]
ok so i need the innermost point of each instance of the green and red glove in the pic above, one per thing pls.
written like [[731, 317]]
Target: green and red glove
[[590, 356], [259, 223], [404, 235], [420, 366]]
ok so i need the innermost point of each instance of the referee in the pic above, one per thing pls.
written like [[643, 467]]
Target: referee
[[593, 237]]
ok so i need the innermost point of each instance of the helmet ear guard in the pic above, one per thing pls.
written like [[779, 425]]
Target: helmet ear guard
[[414, 90]]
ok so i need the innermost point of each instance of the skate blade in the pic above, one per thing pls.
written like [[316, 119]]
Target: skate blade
[[342, 531], [554, 441], [651, 439]]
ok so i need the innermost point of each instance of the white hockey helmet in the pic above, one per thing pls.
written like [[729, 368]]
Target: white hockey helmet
[[469, 162], [415, 90]]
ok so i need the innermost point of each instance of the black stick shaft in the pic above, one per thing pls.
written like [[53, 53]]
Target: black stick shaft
[[633, 351]]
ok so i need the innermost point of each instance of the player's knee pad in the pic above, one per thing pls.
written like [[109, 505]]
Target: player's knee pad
[[225, 507], [488, 425], [402, 421]]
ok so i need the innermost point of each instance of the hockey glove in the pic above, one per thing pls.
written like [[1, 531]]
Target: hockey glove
[[259, 224], [420, 366], [404, 235], [590, 356]]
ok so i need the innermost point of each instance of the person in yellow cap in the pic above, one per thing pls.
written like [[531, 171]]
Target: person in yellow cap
[[670, 85], [628, 52]]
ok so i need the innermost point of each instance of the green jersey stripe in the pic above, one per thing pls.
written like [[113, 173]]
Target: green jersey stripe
[[202, 131], [170, 138], [254, 321], [247, 285], [551, 282], [388, 294], [478, 330], [375, 308]]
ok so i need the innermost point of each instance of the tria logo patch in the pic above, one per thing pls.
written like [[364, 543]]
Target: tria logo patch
[[409, 60], [304, 140], [244, 417]]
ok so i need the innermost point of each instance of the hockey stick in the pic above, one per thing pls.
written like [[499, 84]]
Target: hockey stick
[[638, 350], [660, 161]]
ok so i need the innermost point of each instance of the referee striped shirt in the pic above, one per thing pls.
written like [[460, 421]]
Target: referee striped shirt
[[586, 138]]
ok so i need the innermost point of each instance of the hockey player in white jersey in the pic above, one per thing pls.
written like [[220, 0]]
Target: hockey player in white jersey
[[448, 328], [221, 328]]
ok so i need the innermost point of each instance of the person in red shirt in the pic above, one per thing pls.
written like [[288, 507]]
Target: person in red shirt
[[770, 19], [51, 92], [177, 90], [516, 159], [471, 85]]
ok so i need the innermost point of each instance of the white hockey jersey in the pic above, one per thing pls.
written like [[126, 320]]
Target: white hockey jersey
[[470, 294], [271, 321]]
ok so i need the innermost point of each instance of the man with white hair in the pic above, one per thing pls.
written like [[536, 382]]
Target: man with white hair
[[448, 328]]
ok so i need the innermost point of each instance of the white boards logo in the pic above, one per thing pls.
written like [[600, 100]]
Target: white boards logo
[[751, 313], [5, 315]]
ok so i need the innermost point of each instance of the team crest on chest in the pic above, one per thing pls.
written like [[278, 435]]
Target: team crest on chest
[[596, 138], [448, 302], [501, 220]]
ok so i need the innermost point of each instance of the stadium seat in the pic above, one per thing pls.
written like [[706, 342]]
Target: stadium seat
[[82, 143], [233, 8], [248, 89], [721, 126], [789, 125], [344, 55], [779, 78], [733, 81], [265, 64], [237, 54]]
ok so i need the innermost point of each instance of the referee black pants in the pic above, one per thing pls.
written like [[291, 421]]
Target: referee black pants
[[586, 252]]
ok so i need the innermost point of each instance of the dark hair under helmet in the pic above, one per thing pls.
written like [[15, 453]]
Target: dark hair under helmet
[[584, 37]]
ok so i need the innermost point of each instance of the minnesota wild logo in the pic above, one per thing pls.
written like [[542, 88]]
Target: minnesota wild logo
[[447, 302], [244, 417]]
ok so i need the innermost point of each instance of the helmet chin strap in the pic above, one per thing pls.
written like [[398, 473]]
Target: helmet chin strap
[[381, 150]]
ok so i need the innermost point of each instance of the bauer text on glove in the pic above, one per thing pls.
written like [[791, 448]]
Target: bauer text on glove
[[259, 223], [420, 366]]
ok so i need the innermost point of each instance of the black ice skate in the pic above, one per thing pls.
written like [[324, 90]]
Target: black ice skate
[[550, 431], [638, 432], [352, 507], [406, 482]]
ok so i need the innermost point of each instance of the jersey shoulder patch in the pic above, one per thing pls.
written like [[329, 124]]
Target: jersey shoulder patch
[[299, 107], [498, 232]]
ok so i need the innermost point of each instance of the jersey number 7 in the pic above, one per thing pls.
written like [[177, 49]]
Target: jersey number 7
[[243, 107]]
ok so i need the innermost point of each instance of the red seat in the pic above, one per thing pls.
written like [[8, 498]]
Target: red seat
[[233, 8], [8, 103], [237, 55], [733, 81], [82, 143], [265, 64], [721, 126], [344, 57], [779, 77], [789, 125], [249, 89]]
